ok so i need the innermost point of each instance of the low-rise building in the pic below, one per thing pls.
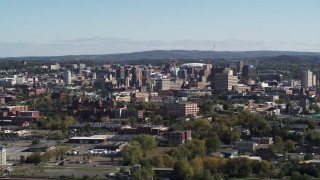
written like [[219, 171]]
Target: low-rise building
[[179, 137], [263, 140], [181, 109], [42, 146], [229, 152], [95, 139], [246, 146], [111, 146]]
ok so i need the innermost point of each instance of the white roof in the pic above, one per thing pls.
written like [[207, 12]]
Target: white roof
[[98, 137]]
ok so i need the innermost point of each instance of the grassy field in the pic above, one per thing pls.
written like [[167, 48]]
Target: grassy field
[[156, 152]]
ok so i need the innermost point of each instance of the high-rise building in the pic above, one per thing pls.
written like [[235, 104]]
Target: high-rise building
[[136, 77], [205, 72], [249, 72], [94, 75], [234, 69], [182, 73], [146, 80], [191, 70], [3, 155], [67, 77], [224, 81], [121, 73], [163, 84], [240, 65], [308, 79]]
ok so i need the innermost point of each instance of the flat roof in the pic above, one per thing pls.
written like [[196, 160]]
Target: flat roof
[[98, 137]]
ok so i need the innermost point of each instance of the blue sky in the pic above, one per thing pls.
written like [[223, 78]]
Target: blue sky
[[62, 27]]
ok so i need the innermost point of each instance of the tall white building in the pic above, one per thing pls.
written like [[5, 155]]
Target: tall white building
[[308, 79], [67, 77], [3, 155]]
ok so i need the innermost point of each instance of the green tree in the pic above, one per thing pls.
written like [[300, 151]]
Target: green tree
[[147, 142], [238, 167], [143, 174], [260, 167], [197, 166], [213, 143], [183, 170], [290, 145], [132, 153], [34, 158], [197, 147], [308, 156], [157, 120], [35, 141], [22, 159]]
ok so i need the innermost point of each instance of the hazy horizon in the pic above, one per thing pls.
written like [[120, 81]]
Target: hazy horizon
[[79, 27]]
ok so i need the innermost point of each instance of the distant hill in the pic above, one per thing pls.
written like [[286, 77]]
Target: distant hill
[[174, 54]]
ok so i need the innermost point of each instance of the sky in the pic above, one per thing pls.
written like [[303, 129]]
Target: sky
[[74, 27]]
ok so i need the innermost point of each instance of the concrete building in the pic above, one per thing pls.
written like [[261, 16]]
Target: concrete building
[[163, 84], [249, 72], [224, 81], [54, 66], [67, 77], [240, 65], [146, 77], [95, 139], [121, 73], [308, 79], [123, 98], [136, 79], [3, 155]]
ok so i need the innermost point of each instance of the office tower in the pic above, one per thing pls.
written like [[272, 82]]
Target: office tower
[[308, 79], [182, 73], [163, 84], [190, 70], [205, 72], [249, 72], [136, 76], [80, 70], [234, 69], [121, 73], [173, 63], [146, 80], [240, 65], [94, 75], [81, 65], [67, 77], [3, 155], [224, 81]]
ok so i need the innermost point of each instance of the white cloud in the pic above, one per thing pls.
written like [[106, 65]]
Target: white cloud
[[98, 45]]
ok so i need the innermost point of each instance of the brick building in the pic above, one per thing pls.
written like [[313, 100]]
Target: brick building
[[180, 109], [179, 137]]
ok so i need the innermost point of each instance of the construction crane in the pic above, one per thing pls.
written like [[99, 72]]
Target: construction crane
[[211, 56]]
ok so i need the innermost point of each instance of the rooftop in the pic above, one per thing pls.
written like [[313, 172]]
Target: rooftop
[[101, 137]]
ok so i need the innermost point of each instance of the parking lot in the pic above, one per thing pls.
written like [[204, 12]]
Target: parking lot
[[78, 165], [15, 149]]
